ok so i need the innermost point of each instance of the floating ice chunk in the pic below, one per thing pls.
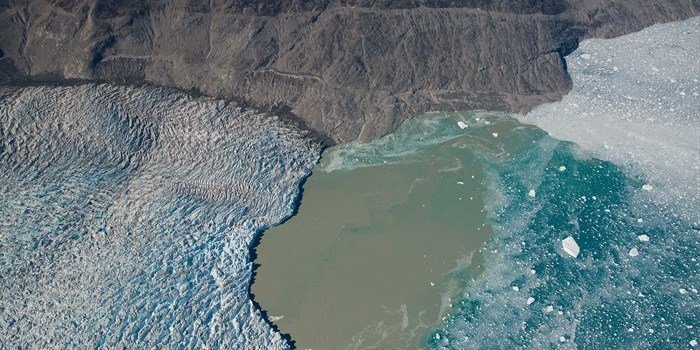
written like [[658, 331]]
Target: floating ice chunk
[[562, 168], [495, 134], [533, 271], [643, 238], [693, 343], [586, 56], [549, 308], [682, 291], [432, 284], [460, 183], [634, 252], [562, 339], [532, 193], [515, 288], [530, 300], [647, 187], [462, 125], [570, 246]]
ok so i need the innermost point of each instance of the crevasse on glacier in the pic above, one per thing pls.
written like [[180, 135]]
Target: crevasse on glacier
[[127, 214]]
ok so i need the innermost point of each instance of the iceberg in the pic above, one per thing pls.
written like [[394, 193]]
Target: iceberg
[[570, 246]]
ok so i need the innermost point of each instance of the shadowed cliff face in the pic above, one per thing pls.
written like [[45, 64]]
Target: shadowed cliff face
[[350, 69]]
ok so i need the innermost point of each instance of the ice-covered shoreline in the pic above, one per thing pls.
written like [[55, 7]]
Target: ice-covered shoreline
[[636, 102], [128, 216]]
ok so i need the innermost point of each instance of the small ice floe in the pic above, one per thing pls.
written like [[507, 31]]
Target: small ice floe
[[634, 252], [643, 238], [533, 271], [462, 125], [570, 246], [549, 309], [647, 187], [562, 339], [562, 168], [495, 134], [432, 284], [515, 288], [693, 343], [682, 291], [460, 183], [586, 56], [532, 193], [530, 300]]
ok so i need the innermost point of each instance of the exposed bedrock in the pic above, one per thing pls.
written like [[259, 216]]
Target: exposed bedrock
[[349, 69]]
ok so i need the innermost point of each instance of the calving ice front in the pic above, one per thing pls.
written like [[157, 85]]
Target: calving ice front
[[127, 215]]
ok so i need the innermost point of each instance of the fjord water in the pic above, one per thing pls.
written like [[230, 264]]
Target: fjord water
[[367, 259], [390, 251]]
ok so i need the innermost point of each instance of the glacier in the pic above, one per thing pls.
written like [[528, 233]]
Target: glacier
[[127, 216]]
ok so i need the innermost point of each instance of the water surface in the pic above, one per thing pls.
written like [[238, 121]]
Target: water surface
[[367, 261]]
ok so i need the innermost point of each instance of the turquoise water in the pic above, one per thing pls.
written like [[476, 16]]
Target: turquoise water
[[603, 299]]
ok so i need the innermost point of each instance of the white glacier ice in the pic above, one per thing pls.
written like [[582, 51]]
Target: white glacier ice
[[127, 217]]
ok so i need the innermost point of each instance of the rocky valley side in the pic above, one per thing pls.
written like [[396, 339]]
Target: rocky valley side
[[349, 69]]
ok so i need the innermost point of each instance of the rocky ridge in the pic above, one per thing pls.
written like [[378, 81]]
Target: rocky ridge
[[349, 69]]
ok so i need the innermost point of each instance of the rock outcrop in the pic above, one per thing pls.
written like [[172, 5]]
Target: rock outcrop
[[350, 69]]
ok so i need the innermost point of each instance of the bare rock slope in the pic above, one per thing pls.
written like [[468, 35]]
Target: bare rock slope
[[350, 69]]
